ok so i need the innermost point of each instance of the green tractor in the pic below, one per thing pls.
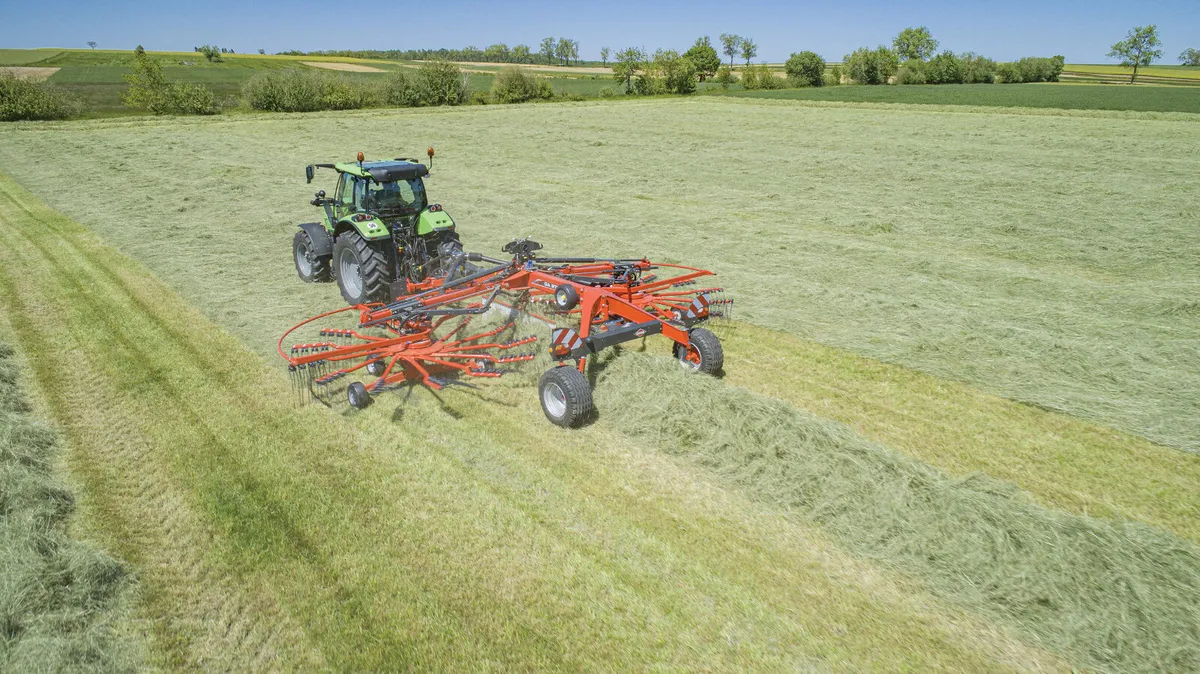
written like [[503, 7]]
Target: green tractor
[[380, 235]]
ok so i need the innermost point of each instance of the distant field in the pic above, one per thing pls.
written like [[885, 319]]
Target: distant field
[[1041, 95], [1171, 72]]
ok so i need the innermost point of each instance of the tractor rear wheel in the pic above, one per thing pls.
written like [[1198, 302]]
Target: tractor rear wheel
[[361, 269], [311, 268], [566, 396], [703, 353]]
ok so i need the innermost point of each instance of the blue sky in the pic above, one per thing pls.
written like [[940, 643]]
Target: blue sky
[[1081, 31]]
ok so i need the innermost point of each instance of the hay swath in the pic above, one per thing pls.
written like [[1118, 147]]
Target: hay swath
[[425, 338]]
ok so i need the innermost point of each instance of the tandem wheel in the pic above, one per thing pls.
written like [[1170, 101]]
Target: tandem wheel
[[357, 396], [565, 395], [703, 353]]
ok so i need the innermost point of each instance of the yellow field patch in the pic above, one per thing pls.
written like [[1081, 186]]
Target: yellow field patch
[[344, 67], [28, 73]]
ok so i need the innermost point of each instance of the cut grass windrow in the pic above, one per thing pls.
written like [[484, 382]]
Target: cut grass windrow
[[1113, 596], [460, 533], [62, 601]]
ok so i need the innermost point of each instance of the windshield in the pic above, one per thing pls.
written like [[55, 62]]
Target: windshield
[[401, 196]]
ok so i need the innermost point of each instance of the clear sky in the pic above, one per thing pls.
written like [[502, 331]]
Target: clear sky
[[1081, 31]]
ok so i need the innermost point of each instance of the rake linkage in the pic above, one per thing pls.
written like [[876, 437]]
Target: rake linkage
[[610, 301]]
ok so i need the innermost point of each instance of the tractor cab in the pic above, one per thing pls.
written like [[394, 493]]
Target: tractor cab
[[379, 234]]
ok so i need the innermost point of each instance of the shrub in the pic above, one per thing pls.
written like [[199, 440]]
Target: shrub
[[761, 77], [607, 92], [149, 89], [442, 83], [945, 68], [806, 69], [978, 69], [25, 100], [544, 90], [872, 66], [912, 72], [514, 85], [400, 89], [339, 92], [192, 99], [835, 75], [678, 73], [288, 90], [725, 77], [479, 98], [1031, 69]]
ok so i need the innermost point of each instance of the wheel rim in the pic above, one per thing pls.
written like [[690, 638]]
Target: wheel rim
[[689, 358], [554, 400], [348, 273], [302, 261]]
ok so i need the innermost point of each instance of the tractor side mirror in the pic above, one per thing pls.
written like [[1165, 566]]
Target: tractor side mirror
[[308, 173]]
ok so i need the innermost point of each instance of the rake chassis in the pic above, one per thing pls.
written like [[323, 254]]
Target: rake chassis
[[614, 301]]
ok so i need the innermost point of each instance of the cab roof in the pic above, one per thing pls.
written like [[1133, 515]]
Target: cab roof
[[385, 171]]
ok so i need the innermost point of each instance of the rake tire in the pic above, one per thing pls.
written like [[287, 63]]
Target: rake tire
[[357, 396], [703, 354], [566, 396], [372, 284]]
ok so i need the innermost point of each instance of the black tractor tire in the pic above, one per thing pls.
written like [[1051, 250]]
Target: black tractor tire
[[703, 354], [310, 267], [361, 270], [566, 396], [357, 396]]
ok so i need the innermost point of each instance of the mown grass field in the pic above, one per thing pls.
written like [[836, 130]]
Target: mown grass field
[[956, 430], [1041, 95]]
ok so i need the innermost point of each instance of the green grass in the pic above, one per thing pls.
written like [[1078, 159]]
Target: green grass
[[1044, 95], [62, 600], [415, 537], [24, 57], [1042, 257]]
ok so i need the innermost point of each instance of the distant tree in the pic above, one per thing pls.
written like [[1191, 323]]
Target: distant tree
[[678, 73], [704, 58], [497, 53], [915, 43], [604, 55], [806, 69], [262, 51], [92, 44], [520, 53], [211, 52], [1138, 48], [626, 65], [547, 49], [1190, 57], [574, 49], [563, 51], [730, 44], [749, 49]]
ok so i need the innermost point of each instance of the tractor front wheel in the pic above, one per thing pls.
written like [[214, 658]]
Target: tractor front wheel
[[311, 268], [361, 270], [703, 352], [566, 396]]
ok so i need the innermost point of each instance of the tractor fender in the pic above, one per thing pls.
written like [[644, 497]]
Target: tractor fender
[[369, 228], [321, 241], [434, 219]]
